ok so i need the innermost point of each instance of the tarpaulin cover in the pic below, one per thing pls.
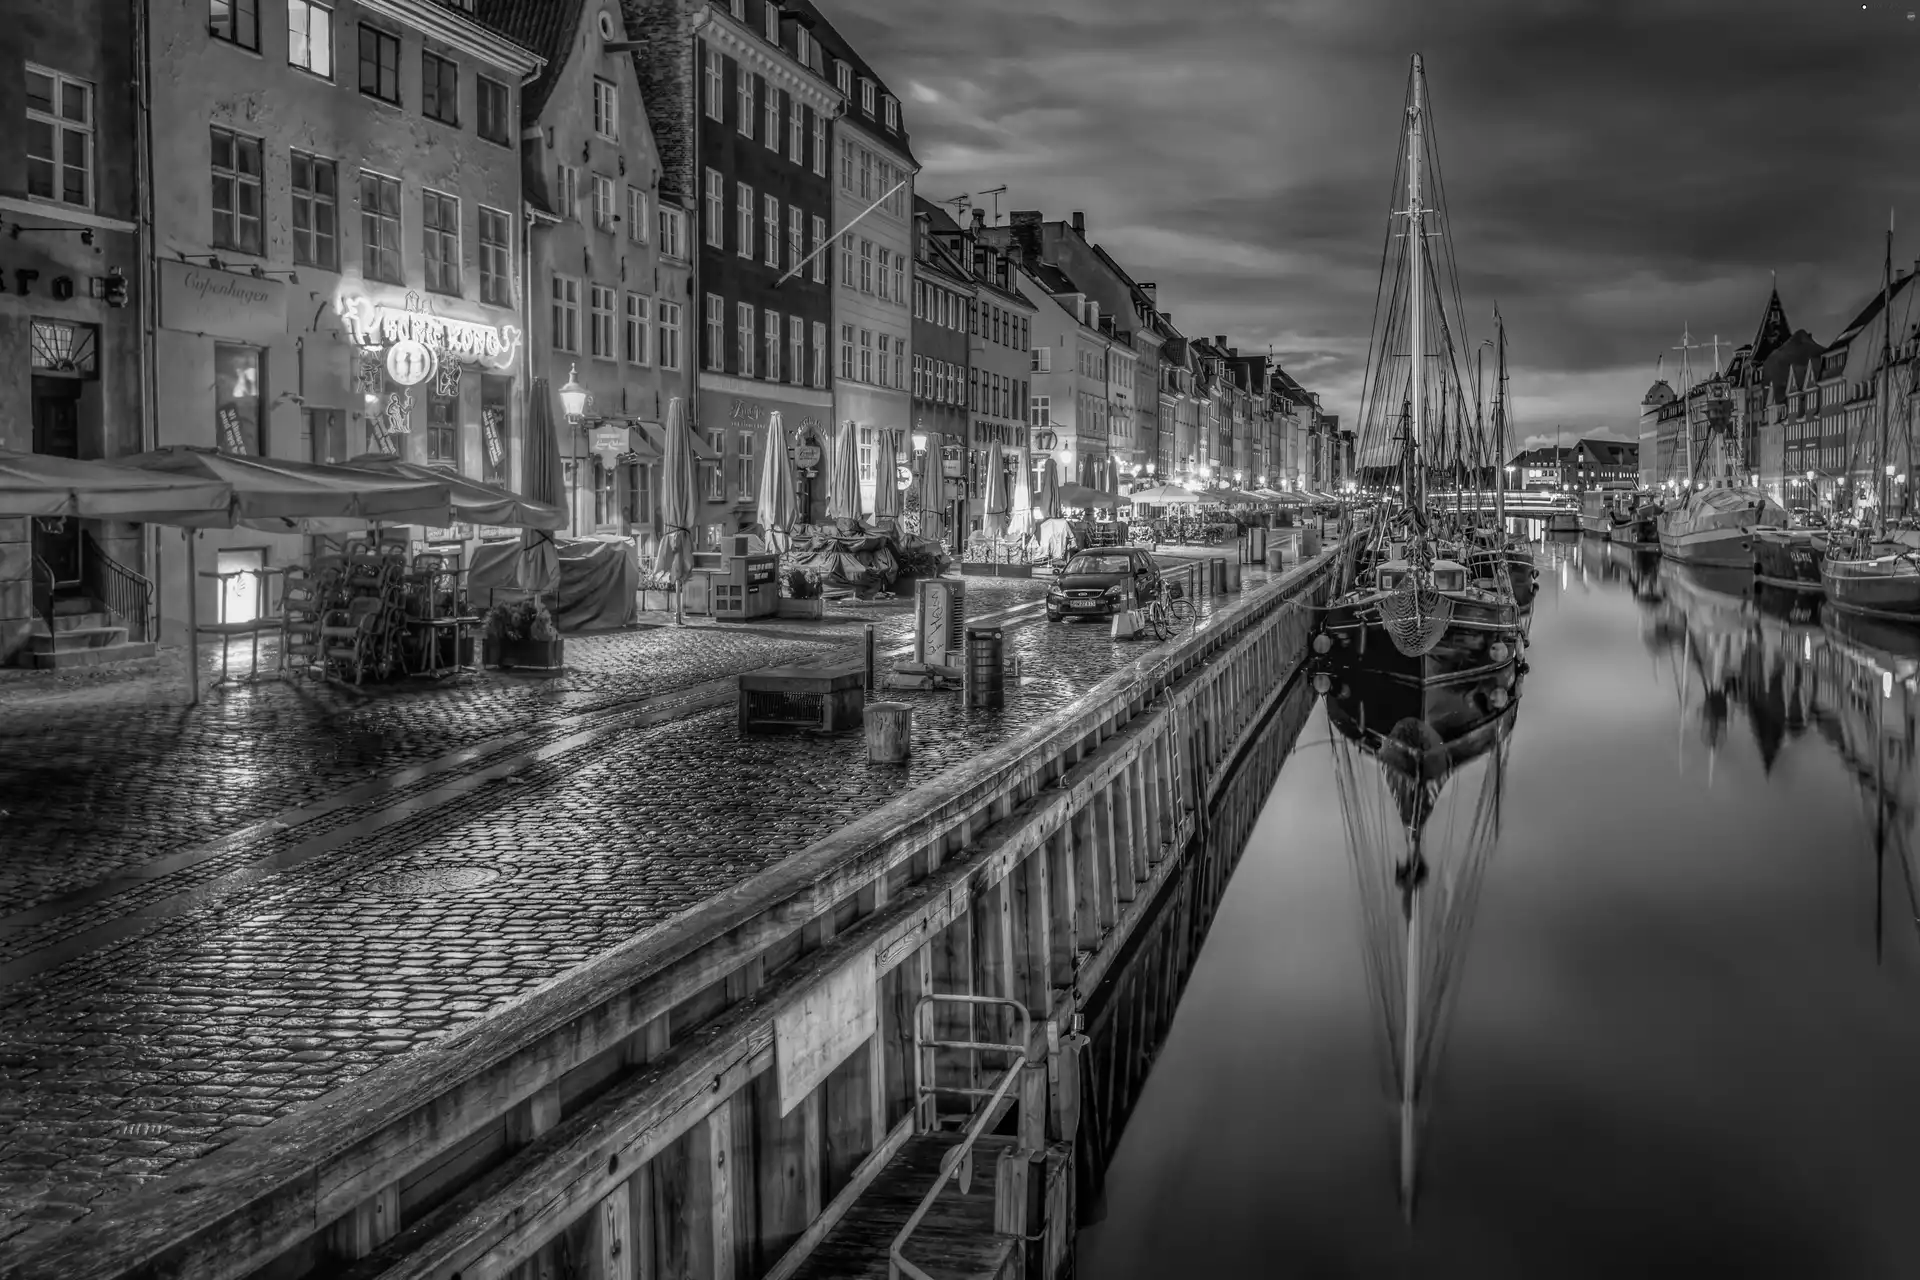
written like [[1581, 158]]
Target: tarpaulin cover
[[598, 585], [496, 566]]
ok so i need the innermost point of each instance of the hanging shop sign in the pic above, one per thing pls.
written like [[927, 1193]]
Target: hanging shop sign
[[807, 456], [410, 363], [903, 477], [375, 324]]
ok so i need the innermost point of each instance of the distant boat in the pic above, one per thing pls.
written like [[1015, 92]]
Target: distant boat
[[1605, 508]]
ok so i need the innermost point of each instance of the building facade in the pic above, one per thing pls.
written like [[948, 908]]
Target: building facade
[[336, 237], [742, 104], [943, 295], [999, 356], [873, 287], [72, 371], [607, 260], [1072, 371]]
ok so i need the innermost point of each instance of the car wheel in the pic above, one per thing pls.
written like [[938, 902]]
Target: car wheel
[[1052, 616]]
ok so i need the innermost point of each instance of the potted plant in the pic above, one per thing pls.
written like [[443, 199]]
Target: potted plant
[[522, 636], [656, 591], [802, 598]]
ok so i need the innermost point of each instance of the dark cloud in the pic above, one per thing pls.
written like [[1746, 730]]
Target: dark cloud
[[1614, 168]]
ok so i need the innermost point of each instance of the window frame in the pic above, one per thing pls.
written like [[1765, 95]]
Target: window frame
[[747, 336], [770, 117], [667, 325], [432, 235], [57, 122], [563, 292], [382, 39], [234, 8], [308, 7], [770, 216], [796, 236], [495, 253], [602, 338], [375, 245], [502, 123], [819, 259], [444, 94], [714, 78], [746, 103], [443, 428], [640, 218], [819, 145], [605, 208], [846, 352], [714, 334], [236, 144], [796, 348], [743, 216], [673, 242], [606, 109], [771, 341], [309, 196], [716, 200], [796, 130], [817, 361]]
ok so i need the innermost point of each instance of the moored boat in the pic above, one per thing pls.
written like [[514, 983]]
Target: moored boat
[[1878, 578], [1789, 558], [1715, 526]]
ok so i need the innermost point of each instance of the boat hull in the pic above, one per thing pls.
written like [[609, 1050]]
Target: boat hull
[[1789, 558], [1482, 638], [1884, 587], [1727, 547], [1563, 522]]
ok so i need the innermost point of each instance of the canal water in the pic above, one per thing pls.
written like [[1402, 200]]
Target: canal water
[[1668, 968]]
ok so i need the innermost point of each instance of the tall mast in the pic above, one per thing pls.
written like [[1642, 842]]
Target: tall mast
[[1416, 287], [1881, 479], [1500, 420], [1686, 388]]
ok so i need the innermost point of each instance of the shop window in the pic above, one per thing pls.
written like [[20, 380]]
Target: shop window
[[327, 435], [236, 398], [443, 431], [239, 578], [237, 222], [496, 397]]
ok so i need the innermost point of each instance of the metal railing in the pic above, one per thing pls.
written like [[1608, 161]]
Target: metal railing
[[126, 595], [960, 1159], [44, 584]]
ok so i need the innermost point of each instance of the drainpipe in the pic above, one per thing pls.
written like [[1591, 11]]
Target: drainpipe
[[148, 274]]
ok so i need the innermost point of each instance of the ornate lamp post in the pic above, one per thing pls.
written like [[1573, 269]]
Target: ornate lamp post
[[573, 397]]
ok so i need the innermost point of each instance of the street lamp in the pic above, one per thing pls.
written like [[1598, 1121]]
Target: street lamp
[[573, 397], [919, 442]]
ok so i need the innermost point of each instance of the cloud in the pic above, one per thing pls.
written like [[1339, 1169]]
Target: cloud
[[1614, 169]]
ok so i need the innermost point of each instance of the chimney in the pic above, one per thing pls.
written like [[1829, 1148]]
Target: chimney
[[1233, 353], [1219, 339], [1079, 224], [979, 217], [1025, 227]]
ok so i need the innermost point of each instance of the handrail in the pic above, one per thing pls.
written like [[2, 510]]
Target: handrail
[[126, 594], [43, 594], [897, 1264]]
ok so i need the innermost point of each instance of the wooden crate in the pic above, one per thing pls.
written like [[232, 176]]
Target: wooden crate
[[829, 698]]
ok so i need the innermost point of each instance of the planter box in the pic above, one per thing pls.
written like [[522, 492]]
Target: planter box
[[530, 655], [814, 608]]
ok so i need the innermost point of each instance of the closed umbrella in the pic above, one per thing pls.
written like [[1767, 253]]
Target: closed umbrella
[[544, 484], [677, 504], [886, 488], [993, 522], [1020, 516], [843, 482], [1048, 499], [775, 500], [933, 494]]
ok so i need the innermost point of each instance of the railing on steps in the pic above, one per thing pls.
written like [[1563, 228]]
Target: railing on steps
[[959, 1160], [43, 588], [127, 595]]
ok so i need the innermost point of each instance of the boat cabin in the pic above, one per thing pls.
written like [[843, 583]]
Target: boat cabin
[[1448, 575]]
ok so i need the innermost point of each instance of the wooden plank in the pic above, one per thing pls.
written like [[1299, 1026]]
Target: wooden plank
[[847, 1124], [718, 1204], [850, 1195], [786, 1168], [834, 1017]]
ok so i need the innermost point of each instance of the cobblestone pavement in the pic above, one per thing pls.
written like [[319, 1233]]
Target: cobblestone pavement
[[230, 1010]]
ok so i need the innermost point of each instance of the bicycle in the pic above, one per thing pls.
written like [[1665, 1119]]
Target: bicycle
[[1167, 611]]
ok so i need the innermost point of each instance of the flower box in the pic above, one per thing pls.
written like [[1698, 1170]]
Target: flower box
[[530, 655], [814, 608]]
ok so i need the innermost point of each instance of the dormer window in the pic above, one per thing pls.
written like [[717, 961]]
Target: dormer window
[[770, 15], [866, 95], [893, 111], [738, 9], [843, 78], [803, 45]]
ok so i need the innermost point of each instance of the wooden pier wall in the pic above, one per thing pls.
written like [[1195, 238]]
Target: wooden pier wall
[[627, 1122]]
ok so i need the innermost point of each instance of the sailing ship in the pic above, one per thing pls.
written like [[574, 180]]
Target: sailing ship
[[1427, 608], [1711, 522], [1418, 880], [1877, 571]]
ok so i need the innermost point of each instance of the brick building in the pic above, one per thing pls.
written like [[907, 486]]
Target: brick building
[[71, 367], [943, 294]]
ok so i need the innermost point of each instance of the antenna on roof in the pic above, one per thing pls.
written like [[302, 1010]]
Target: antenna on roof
[[959, 203], [996, 193]]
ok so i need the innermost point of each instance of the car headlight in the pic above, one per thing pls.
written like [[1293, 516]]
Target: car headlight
[[1054, 592], [1114, 591]]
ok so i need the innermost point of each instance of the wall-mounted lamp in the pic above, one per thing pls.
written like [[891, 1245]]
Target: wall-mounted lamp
[[259, 272]]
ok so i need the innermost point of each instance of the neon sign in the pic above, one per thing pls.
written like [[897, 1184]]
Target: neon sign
[[373, 324]]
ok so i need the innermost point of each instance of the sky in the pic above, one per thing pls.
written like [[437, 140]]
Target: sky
[[1618, 171]]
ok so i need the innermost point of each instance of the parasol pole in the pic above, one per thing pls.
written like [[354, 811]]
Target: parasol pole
[[193, 623]]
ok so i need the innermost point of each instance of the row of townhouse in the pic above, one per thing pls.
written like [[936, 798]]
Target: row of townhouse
[[319, 229]]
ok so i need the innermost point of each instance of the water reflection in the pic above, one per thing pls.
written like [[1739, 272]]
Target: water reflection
[[1681, 1041]]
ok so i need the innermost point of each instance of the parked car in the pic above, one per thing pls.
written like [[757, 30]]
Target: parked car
[[1098, 584]]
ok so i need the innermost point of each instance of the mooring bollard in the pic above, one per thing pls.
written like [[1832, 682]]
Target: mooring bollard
[[1217, 575], [889, 732], [872, 670], [1276, 557]]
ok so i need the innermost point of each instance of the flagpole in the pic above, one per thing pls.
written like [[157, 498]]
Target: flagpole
[[824, 245]]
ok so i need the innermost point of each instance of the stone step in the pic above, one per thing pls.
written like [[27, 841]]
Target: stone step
[[67, 606], [105, 655], [68, 639], [74, 621]]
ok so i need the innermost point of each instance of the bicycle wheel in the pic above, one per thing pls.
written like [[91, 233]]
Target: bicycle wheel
[[1181, 610]]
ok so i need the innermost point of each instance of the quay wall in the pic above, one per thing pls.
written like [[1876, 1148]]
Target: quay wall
[[706, 1101]]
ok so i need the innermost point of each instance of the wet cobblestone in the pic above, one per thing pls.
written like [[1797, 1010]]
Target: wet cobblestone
[[122, 1064]]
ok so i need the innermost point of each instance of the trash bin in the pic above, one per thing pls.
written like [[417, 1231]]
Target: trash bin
[[986, 670], [1217, 575], [1256, 545], [1276, 557]]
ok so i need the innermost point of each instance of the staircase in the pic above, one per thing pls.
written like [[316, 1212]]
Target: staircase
[[81, 633]]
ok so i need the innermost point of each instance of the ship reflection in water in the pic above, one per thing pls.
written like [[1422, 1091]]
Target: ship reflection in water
[[1616, 982]]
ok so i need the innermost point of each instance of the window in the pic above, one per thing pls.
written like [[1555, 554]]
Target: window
[[846, 258], [899, 363], [1038, 411], [326, 435], [770, 216], [566, 313], [566, 191], [880, 368], [1043, 360], [603, 206], [496, 259], [893, 112], [819, 145], [745, 118], [770, 20], [310, 37], [846, 166], [843, 78], [796, 348], [443, 430], [315, 208], [600, 312], [881, 278], [796, 131], [716, 479], [803, 46], [819, 357], [770, 337], [795, 244], [920, 376], [866, 355], [496, 394], [668, 314], [606, 109], [919, 300], [672, 233], [379, 64], [236, 398], [716, 210], [236, 192], [743, 238], [439, 89], [236, 21], [866, 455], [973, 388], [716, 342], [747, 476], [866, 95], [770, 105], [714, 87], [743, 318], [639, 215], [60, 139], [846, 351], [973, 319], [866, 174], [819, 259], [380, 228], [440, 237], [491, 101]]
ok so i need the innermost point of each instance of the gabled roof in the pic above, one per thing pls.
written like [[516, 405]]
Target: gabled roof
[[1870, 312], [548, 28], [1774, 329]]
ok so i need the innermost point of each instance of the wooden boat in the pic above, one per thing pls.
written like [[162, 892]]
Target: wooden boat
[[1879, 578], [1423, 625], [1715, 526], [1789, 558]]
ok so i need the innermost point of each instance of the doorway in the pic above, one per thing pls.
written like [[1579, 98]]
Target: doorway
[[56, 432]]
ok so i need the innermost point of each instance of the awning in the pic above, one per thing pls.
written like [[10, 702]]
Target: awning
[[1080, 495], [1162, 494], [473, 501], [656, 436], [283, 496], [38, 484]]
